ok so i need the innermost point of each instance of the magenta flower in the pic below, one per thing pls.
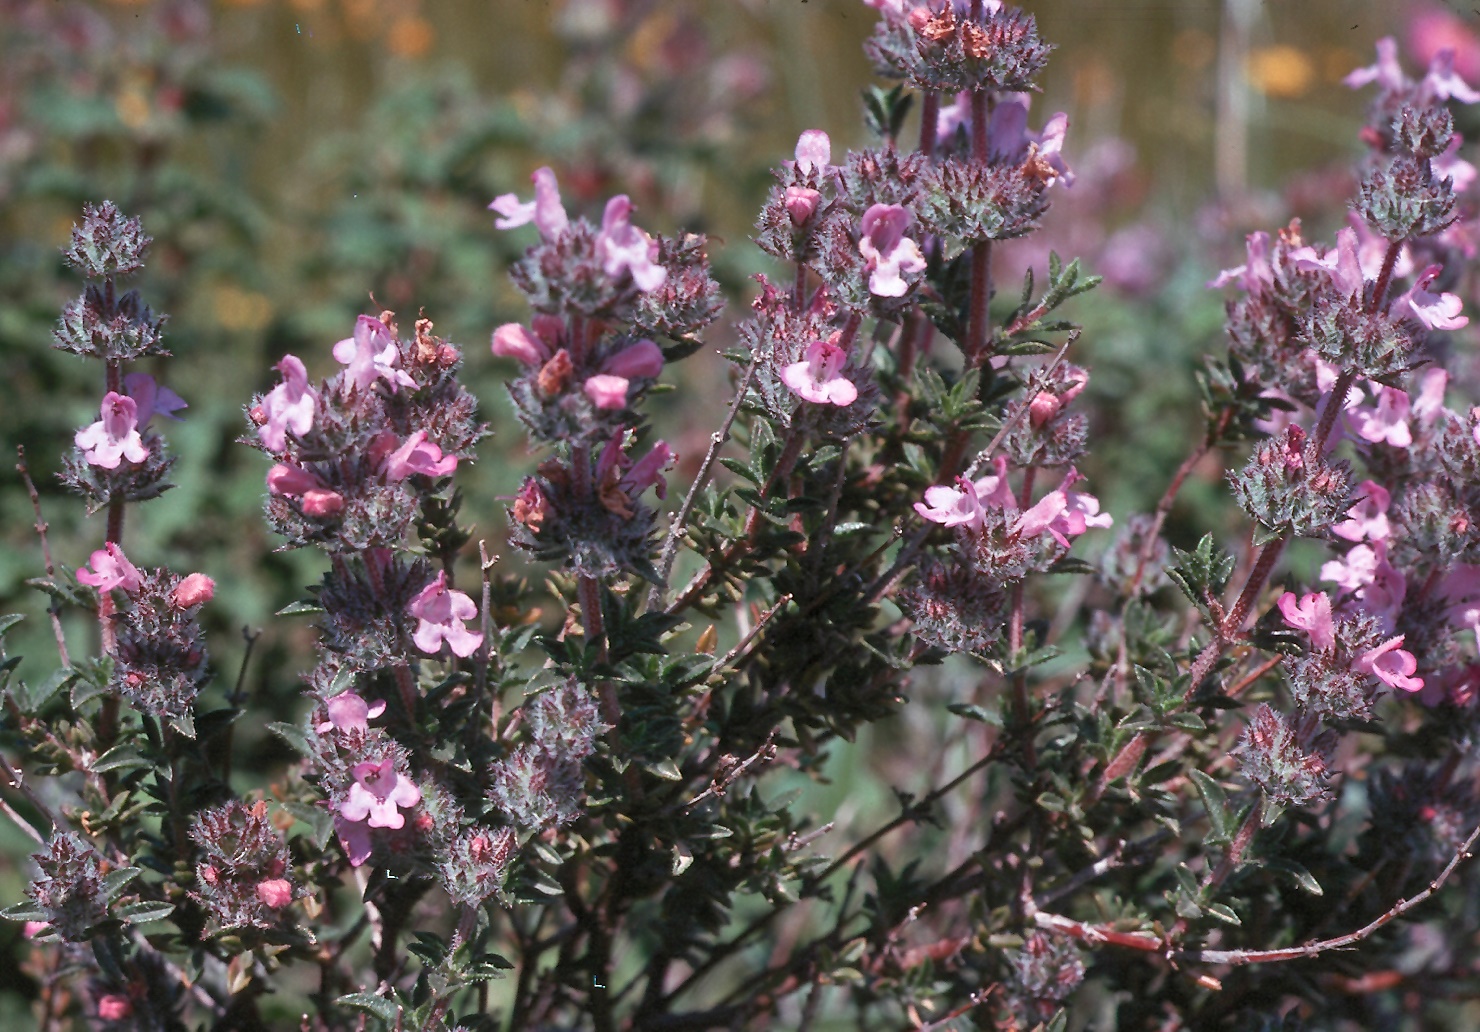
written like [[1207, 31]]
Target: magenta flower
[[315, 496], [418, 455], [640, 361], [1460, 590], [440, 612], [818, 377], [349, 712], [1311, 614], [647, 472], [1430, 401], [1257, 272], [288, 406], [115, 437], [110, 569], [890, 254], [545, 211], [622, 247], [355, 837], [1451, 166], [814, 152], [1436, 311], [1012, 141], [1387, 72], [1063, 513], [512, 340], [1343, 263], [1390, 665], [379, 789], [1357, 568], [370, 355], [1367, 520], [153, 399], [606, 392]]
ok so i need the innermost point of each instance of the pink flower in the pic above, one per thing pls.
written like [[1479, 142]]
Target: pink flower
[[801, 202], [1443, 83], [1343, 262], [31, 929], [114, 1007], [1387, 423], [1460, 590], [818, 377], [440, 612], [814, 152], [378, 790], [1390, 665], [293, 481], [952, 506], [195, 590], [1436, 311], [1357, 568], [1387, 72], [1311, 614], [1063, 513], [622, 247], [370, 355], [418, 455], [355, 837], [153, 398], [1430, 400], [512, 340], [349, 712], [1256, 272], [288, 406], [1045, 404], [606, 392], [275, 892], [545, 211], [1367, 520], [640, 361], [114, 437], [890, 254], [110, 569]]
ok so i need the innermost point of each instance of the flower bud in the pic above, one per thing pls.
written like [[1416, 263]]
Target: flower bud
[[322, 502], [114, 1007], [801, 202], [275, 892], [512, 340], [194, 590]]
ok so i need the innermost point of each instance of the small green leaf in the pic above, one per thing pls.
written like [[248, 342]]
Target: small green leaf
[[665, 769], [120, 757], [35, 695], [1220, 827], [377, 1006], [302, 607], [1223, 913], [292, 734], [144, 911]]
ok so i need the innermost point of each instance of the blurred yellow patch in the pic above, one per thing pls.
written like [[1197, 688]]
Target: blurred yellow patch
[[645, 48], [1281, 71], [132, 107], [1095, 82], [238, 309], [410, 36]]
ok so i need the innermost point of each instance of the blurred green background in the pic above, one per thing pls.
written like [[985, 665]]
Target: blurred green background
[[295, 158]]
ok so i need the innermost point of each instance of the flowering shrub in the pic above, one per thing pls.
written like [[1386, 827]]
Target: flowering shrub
[[1144, 803]]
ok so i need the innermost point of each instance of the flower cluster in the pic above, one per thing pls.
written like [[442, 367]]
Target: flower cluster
[[242, 872]]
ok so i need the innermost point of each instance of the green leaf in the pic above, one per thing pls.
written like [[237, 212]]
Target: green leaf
[[25, 912], [302, 607], [292, 734], [9, 620], [665, 769], [971, 711], [1299, 875], [1220, 827], [1223, 913], [377, 1006], [144, 911], [34, 696], [115, 881], [120, 757]]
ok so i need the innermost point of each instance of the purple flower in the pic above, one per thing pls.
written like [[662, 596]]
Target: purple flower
[[1012, 141], [647, 472], [1460, 590], [1443, 83], [640, 361], [1451, 166], [622, 247], [1356, 569], [355, 837], [288, 406], [1430, 400], [818, 377], [1256, 273], [152, 398], [114, 437], [440, 612], [377, 792], [1436, 311], [512, 340], [545, 211], [418, 455], [110, 569], [890, 254], [349, 712], [1343, 262], [1387, 72], [1311, 614], [371, 354], [1367, 520]]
